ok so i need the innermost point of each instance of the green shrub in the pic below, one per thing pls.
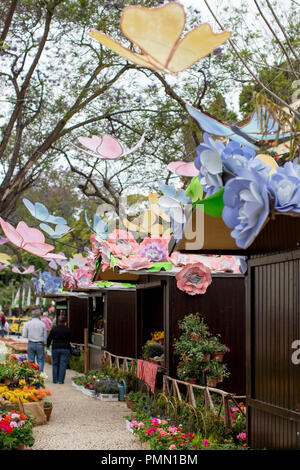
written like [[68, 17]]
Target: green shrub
[[77, 363]]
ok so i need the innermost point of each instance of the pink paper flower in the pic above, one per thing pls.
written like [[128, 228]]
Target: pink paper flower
[[134, 262], [155, 249], [122, 243], [194, 279], [82, 277]]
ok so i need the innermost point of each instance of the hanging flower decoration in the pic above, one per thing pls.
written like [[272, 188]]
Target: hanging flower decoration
[[47, 283], [175, 204], [155, 249], [67, 276], [285, 190], [194, 279], [157, 33]]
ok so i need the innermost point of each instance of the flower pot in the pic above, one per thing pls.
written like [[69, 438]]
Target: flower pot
[[218, 355], [192, 381], [48, 412], [206, 358], [212, 382], [20, 447], [130, 403]]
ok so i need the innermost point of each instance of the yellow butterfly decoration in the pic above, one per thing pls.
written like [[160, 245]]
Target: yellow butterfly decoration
[[156, 32], [147, 223], [4, 258]]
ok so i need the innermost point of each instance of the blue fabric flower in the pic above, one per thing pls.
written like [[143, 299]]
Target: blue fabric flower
[[285, 189], [246, 208], [209, 164], [46, 276], [37, 285], [290, 169]]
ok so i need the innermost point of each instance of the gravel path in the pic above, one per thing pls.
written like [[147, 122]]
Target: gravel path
[[79, 422]]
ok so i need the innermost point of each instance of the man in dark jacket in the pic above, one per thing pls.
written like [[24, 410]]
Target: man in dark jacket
[[60, 336]]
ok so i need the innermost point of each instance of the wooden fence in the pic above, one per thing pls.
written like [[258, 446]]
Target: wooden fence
[[171, 388]]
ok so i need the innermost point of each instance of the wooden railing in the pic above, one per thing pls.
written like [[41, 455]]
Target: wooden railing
[[171, 388]]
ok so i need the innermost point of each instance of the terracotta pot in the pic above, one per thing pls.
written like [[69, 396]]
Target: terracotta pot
[[212, 382], [218, 355], [192, 381], [20, 447], [48, 412], [206, 358]]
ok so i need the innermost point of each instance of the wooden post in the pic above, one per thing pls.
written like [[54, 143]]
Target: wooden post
[[86, 351]]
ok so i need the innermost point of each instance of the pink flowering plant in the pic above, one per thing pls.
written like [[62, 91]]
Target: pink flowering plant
[[16, 429]]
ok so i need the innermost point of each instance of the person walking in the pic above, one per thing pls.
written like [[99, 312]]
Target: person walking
[[4, 327], [36, 332], [60, 336], [48, 322]]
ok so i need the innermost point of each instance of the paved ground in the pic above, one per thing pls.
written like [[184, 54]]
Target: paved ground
[[79, 422]]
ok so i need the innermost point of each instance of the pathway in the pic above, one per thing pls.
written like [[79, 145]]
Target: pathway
[[79, 422]]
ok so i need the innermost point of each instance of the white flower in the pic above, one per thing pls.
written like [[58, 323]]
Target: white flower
[[43, 375]]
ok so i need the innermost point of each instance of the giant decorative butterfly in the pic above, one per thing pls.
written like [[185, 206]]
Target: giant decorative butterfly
[[258, 128], [40, 212], [106, 148], [59, 231], [99, 227], [157, 33]]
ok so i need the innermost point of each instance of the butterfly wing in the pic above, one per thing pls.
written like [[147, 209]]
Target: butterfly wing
[[11, 233], [121, 50], [263, 127], [100, 227], [46, 228], [196, 45], [136, 146], [109, 148], [214, 127], [91, 143], [154, 30], [181, 168]]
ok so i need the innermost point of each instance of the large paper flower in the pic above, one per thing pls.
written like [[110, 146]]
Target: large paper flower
[[122, 243], [155, 249], [27, 238], [209, 164], [246, 208], [194, 279], [156, 32], [134, 263], [235, 157], [286, 191], [82, 277]]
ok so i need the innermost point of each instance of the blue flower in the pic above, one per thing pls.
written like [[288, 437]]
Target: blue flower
[[246, 208], [209, 164], [235, 157], [285, 189], [290, 169], [45, 276]]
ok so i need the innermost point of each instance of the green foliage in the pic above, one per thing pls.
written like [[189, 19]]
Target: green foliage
[[152, 349], [77, 363], [194, 348]]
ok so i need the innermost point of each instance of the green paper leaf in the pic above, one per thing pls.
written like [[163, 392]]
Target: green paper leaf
[[161, 267], [213, 205], [127, 284], [194, 190], [104, 284], [113, 261]]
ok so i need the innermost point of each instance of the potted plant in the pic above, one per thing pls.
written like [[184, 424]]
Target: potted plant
[[196, 347], [216, 372], [48, 409], [16, 430]]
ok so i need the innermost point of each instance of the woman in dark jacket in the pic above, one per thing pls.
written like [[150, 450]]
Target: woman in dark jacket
[[60, 336]]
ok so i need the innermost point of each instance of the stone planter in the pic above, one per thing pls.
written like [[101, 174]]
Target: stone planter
[[109, 397]]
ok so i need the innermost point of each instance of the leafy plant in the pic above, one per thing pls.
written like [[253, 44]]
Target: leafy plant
[[47, 404], [106, 387], [152, 349], [77, 363]]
